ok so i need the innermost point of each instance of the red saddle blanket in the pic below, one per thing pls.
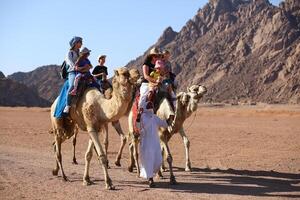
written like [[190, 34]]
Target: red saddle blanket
[[135, 112]]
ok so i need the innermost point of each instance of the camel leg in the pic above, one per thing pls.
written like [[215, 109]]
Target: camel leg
[[170, 160], [56, 169], [88, 157], [105, 142], [58, 142], [163, 167], [186, 142], [136, 154], [117, 126], [131, 158], [102, 158], [74, 145]]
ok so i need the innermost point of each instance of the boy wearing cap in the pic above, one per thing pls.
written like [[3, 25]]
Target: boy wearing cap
[[100, 72]]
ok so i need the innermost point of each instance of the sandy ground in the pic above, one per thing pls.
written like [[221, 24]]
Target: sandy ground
[[237, 152]]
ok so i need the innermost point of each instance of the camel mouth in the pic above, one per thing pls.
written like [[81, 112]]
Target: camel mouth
[[202, 90]]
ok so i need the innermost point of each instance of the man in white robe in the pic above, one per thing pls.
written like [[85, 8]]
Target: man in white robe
[[150, 150]]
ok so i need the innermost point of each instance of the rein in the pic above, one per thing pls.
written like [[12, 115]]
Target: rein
[[191, 122]]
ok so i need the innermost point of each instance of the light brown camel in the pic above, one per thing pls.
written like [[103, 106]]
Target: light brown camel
[[115, 124], [92, 112], [186, 104]]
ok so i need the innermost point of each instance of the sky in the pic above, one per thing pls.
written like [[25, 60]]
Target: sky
[[35, 33]]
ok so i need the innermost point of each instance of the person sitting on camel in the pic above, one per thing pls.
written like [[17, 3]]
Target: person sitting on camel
[[82, 67], [157, 75]]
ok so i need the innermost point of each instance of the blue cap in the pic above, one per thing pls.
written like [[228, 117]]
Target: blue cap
[[74, 40]]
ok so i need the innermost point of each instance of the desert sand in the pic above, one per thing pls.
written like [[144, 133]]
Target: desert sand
[[237, 152]]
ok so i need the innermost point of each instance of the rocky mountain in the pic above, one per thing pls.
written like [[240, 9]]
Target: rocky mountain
[[45, 81], [242, 50], [13, 93]]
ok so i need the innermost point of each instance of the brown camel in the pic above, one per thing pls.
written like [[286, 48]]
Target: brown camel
[[186, 104], [91, 114], [115, 124]]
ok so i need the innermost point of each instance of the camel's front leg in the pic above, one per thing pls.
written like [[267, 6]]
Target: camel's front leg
[[102, 158], [88, 157], [117, 126], [57, 147], [186, 142], [169, 160], [105, 142], [74, 145]]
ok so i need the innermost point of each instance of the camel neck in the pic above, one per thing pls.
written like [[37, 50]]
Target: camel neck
[[116, 106]]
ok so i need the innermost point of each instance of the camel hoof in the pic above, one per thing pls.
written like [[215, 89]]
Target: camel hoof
[[117, 163], [75, 161], [130, 169], [163, 169], [188, 169], [173, 180], [110, 187], [159, 175], [87, 182], [54, 172], [66, 179]]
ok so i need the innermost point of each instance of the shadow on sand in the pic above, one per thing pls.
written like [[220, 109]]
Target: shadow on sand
[[237, 182]]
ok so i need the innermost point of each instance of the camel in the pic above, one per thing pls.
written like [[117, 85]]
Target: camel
[[186, 104], [115, 124], [92, 112]]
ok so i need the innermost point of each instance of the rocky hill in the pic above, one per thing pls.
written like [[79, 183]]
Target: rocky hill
[[242, 50], [13, 93], [44, 80]]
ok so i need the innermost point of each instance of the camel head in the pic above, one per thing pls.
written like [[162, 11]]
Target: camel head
[[122, 82], [191, 98], [134, 76]]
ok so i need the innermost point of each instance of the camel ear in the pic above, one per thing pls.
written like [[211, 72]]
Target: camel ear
[[116, 72], [188, 89], [179, 95], [134, 75]]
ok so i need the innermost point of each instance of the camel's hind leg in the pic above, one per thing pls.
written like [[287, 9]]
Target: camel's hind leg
[[88, 157], [56, 169], [131, 158], [102, 158], [169, 160], [117, 126], [186, 142], [74, 145], [136, 154], [163, 167], [58, 142]]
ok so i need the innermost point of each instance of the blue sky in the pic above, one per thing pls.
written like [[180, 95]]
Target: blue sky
[[36, 33]]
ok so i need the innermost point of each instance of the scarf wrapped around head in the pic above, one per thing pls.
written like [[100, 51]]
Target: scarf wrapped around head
[[147, 107]]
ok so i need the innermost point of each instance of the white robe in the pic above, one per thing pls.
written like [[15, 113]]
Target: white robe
[[150, 150]]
